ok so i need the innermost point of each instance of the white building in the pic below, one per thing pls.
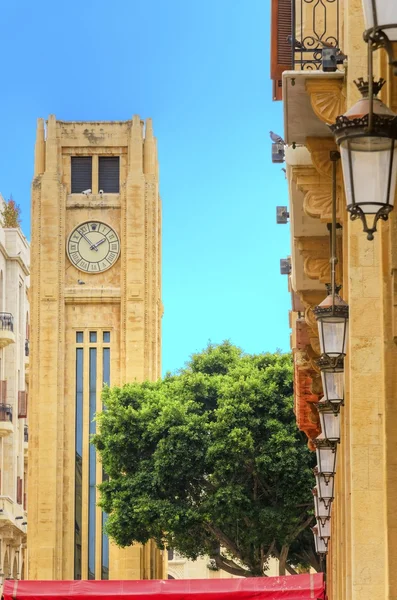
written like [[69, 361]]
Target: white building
[[14, 365]]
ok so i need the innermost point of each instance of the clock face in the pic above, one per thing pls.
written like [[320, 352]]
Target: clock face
[[93, 247]]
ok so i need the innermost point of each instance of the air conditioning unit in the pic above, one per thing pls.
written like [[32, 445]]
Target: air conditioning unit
[[282, 215], [285, 266], [277, 153]]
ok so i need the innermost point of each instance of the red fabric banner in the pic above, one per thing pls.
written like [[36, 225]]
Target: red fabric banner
[[293, 587]]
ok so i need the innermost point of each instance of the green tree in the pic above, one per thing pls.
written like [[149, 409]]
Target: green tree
[[210, 461], [11, 214]]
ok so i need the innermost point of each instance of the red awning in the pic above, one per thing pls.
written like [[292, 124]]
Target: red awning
[[293, 587]]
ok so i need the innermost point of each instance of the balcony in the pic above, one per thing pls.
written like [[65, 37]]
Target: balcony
[[305, 36], [6, 426], [12, 515], [7, 335]]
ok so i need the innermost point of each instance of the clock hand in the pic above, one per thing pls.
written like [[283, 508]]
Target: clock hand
[[92, 246], [95, 246]]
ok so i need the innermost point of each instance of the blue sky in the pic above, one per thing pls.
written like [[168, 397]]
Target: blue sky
[[200, 69]]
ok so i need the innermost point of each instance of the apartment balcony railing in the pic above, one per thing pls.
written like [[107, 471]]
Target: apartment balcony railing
[[6, 412], [315, 27], [300, 31], [6, 321]]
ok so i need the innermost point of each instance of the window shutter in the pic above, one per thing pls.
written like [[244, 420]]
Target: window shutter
[[81, 173], [19, 490], [281, 48], [109, 174], [3, 391], [22, 405]]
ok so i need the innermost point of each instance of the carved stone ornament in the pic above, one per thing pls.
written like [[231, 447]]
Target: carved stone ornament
[[327, 98], [317, 190]]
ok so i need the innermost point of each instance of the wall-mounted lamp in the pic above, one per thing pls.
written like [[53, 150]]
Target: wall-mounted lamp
[[367, 135], [381, 25]]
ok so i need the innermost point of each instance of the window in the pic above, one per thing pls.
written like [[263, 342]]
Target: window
[[93, 337], [79, 337], [109, 174], [81, 174], [106, 337]]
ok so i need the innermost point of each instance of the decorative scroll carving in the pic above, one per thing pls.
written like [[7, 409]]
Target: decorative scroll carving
[[320, 149], [327, 98], [315, 252], [317, 192]]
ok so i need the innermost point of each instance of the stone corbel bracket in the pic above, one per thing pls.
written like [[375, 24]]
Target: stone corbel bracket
[[317, 190], [327, 97]]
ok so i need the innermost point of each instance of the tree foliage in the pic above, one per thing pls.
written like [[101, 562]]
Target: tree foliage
[[210, 461], [11, 214]]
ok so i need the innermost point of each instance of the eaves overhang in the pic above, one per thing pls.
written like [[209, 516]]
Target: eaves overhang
[[300, 119]]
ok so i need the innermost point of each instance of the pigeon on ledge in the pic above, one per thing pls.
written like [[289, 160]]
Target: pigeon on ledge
[[276, 138]]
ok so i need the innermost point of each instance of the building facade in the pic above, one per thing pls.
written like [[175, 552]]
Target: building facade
[[96, 319], [362, 552], [14, 369]]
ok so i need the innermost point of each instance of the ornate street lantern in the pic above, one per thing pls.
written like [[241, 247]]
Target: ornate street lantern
[[321, 544], [326, 456], [381, 25], [324, 529], [332, 318], [322, 512], [366, 134], [329, 421], [333, 382], [325, 487]]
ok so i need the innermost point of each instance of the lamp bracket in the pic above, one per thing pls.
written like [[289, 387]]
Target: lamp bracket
[[356, 212], [378, 38], [331, 363]]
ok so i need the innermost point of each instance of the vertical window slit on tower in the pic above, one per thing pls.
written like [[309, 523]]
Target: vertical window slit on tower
[[105, 539], [92, 464], [78, 499]]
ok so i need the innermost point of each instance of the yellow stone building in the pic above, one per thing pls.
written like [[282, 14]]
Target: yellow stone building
[[362, 557], [14, 369], [96, 319]]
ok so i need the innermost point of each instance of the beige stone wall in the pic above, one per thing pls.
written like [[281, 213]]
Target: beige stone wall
[[125, 300], [14, 364], [363, 549]]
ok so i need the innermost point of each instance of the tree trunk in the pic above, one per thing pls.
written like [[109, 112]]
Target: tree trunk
[[282, 561]]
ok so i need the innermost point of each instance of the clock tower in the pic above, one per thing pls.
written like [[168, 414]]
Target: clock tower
[[95, 319]]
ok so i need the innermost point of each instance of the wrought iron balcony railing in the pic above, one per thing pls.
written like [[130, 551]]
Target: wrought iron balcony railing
[[6, 321], [315, 27], [305, 36], [6, 412]]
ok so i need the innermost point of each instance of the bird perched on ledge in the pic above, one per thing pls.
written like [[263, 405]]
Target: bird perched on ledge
[[277, 139]]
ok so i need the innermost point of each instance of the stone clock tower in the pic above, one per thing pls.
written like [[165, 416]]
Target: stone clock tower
[[95, 318]]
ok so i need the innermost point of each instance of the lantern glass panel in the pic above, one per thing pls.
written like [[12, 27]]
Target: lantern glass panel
[[333, 385], [386, 14], [321, 510], [325, 488], [366, 163], [330, 425], [333, 335], [324, 528], [326, 460], [319, 543]]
